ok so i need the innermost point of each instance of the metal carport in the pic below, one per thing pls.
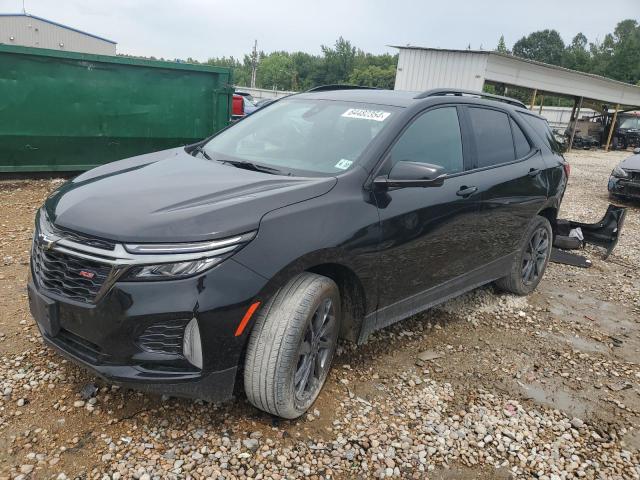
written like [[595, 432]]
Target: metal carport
[[422, 68]]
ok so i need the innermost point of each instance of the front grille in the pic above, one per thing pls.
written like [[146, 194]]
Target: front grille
[[60, 274], [164, 337]]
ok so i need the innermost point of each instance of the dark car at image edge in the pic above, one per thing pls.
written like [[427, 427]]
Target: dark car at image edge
[[330, 214], [624, 181]]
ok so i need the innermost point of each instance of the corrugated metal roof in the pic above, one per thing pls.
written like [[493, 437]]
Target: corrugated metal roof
[[516, 59], [446, 69], [56, 24]]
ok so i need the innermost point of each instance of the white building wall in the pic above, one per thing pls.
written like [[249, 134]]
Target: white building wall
[[28, 31], [560, 116], [420, 70]]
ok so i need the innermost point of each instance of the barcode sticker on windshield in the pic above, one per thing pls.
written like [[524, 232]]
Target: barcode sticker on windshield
[[364, 114]]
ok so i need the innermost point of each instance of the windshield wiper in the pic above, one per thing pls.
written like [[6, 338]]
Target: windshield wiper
[[253, 166], [200, 149]]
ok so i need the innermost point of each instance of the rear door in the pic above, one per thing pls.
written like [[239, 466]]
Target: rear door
[[426, 232], [509, 172]]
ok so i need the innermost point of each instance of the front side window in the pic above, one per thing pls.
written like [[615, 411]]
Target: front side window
[[317, 136], [434, 138], [492, 133]]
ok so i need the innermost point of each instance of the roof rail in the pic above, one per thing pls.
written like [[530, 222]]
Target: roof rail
[[325, 88], [438, 92]]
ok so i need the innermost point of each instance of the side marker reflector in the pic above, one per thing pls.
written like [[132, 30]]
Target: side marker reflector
[[247, 316]]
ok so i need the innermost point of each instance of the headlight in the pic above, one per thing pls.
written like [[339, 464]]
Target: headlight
[[180, 260], [174, 270], [619, 172]]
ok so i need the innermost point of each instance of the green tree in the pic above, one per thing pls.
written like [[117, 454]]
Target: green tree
[[576, 55], [374, 76], [502, 46], [338, 61], [544, 46], [276, 71], [241, 72], [305, 68], [617, 56], [624, 60]]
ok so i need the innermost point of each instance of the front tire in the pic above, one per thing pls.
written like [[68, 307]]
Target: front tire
[[531, 261], [292, 346]]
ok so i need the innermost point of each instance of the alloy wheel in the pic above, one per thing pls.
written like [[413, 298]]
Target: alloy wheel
[[535, 256], [316, 351]]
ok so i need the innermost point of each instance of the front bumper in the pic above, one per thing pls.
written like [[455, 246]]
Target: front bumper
[[624, 188], [213, 387], [110, 337]]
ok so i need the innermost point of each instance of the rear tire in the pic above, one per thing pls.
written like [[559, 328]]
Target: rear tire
[[292, 345], [531, 261]]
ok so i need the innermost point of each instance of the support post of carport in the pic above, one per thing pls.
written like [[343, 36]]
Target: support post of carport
[[541, 103], [575, 121], [533, 98], [613, 124]]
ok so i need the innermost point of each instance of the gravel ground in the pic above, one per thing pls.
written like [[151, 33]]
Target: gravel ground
[[487, 386]]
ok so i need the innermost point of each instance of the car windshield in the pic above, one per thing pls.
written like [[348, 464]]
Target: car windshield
[[630, 122], [318, 136]]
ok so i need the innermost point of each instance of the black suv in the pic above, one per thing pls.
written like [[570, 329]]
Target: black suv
[[326, 214]]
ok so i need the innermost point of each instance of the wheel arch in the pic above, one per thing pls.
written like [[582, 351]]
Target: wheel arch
[[352, 296], [551, 214], [354, 292]]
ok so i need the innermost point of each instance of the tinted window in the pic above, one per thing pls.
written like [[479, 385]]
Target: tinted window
[[542, 130], [434, 138], [492, 133], [520, 141]]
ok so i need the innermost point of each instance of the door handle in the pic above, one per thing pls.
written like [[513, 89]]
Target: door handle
[[534, 172], [466, 191]]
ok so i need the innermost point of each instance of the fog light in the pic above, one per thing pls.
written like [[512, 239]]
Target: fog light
[[191, 345]]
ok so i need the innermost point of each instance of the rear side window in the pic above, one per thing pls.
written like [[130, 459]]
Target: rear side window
[[492, 134], [542, 129], [520, 141], [434, 137]]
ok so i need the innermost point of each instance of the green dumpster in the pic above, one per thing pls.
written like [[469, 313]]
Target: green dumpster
[[64, 111]]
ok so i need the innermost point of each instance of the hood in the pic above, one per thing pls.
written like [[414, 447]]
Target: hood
[[631, 163], [171, 196]]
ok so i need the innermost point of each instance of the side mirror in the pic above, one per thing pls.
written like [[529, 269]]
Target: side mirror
[[412, 174], [636, 150]]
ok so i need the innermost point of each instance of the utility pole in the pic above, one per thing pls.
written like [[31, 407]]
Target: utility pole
[[254, 63], [24, 10]]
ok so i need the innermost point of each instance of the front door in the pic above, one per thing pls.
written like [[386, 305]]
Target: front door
[[427, 233]]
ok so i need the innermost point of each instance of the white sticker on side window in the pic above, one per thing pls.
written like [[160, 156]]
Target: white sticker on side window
[[343, 164], [364, 114]]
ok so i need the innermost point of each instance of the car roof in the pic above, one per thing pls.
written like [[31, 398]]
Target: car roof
[[365, 95], [400, 98]]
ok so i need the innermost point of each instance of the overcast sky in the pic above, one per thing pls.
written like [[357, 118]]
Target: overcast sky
[[206, 28]]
